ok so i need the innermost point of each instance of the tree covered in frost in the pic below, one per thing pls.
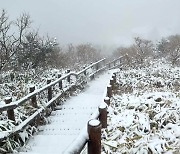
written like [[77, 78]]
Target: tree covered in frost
[[137, 53], [170, 49], [144, 50], [35, 51], [26, 49], [82, 54], [11, 42]]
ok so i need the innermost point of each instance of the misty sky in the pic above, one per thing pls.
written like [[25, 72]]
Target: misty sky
[[109, 22]]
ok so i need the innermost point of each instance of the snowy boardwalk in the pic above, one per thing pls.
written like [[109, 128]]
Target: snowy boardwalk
[[66, 123]]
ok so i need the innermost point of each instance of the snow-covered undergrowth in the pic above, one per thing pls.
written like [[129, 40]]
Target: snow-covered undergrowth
[[144, 115], [17, 86]]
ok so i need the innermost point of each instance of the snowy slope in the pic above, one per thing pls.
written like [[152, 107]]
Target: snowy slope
[[144, 116]]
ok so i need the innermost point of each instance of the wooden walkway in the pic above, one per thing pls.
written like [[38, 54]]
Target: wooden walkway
[[67, 122]]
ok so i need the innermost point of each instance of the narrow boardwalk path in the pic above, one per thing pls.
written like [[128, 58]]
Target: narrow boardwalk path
[[66, 123]]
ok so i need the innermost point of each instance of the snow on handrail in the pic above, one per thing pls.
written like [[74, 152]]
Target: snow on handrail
[[21, 126], [113, 67], [82, 137], [19, 102], [80, 72], [115, 60]]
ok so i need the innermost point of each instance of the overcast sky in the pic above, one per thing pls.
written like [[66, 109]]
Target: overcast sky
[[109, 22]]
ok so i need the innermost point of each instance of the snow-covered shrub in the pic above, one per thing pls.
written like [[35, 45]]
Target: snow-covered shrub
[[144, 113]]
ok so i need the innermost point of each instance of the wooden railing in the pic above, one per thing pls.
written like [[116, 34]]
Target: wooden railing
[[84, 137], [10, 106], [115, 63], [90, 136]]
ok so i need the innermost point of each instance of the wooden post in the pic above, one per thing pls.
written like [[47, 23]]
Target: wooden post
[[112, 83], [34, 104], [12, 76], [97, 66], [10, 113], [107, 100], [92, 77], [33, 99], [109, 91], [92, 67], [94, 131], [84, 71], [60, 82], [119, 61], [115, 63], [103, 115], [114, 77], [49, 90], [104, 62], [69, 78]]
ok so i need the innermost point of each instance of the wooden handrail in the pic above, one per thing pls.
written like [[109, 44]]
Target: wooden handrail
[[88, 67], [21, 126], [115, 60], [15, 104], [21, 101]]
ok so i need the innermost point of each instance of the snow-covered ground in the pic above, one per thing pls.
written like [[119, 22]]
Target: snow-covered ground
[[144, 115], [17, 86], [72, 116]]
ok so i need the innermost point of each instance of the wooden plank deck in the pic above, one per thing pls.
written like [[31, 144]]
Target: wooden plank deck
[[67, 122]]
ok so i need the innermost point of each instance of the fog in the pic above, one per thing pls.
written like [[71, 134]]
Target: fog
[[105, 22]]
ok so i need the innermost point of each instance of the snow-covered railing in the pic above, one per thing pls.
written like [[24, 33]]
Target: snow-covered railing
[[10, 106], [30, 119], [91, 134], [33, 119], [19, 102], [90, 66], [115, 63]]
